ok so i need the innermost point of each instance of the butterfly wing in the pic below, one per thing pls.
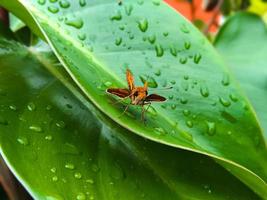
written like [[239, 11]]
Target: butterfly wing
[[155, 97], [130, 80], [122, 93]]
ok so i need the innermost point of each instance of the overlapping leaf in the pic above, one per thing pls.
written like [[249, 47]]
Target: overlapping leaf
[[61, 150]]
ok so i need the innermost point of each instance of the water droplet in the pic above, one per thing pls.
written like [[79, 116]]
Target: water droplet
[[226, 80], [82, 3], [233, 97], [116, 17], [186, 135], [152, 39], [53, 170], [186, 112], [207, 187], [186, 77], [165, 34], [211, 128], [108, 84], [31, 106], [48, 137], [53, 1], [171, 97], [183, 60], [229, 117], [13, 107], [173, 106], [160, 131], [187, 45], [82, 36], [224, 102], [36, 128], [173, 51], [156, 2], [55, 178], [42, 2], [158, 72], [69, 166], [189, 124], [81, 196], [197, 58], [48, 107], [77, 175], [60, 124], [183, 100], [204, 91], [64, 4], [143, 25], [23, 140], [76, 23], [91, 181], [173, 82], [159, 50], [118, 41], [53, 9], [184, 28], [128, 9], [150, 81]]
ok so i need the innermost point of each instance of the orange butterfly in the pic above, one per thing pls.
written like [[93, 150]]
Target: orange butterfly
[[138, 95]]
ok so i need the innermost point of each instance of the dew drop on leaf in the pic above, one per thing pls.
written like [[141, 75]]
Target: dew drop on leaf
[[183, 60], [189, 124], [41, 2], [143, 25], [31, 106], [159, 50], [53, 170], [60, 124], [76, 23], [204, 91], [197, 58], [183, 100], [82, 3], [187, 45], [81, 196], [156, 2], [160, 131], [116, 17], [64, 4], [184, 28], [158, 72], [211, 128], [53, 9], [77, 175], [224, 102], [23, 140], [3, 121], [48, 137], [118, 41], [13, 107], [186, 112], [152, 39], [233, 97], [69, 166], [173, 51], [128, 9], [36, 128], [54, 178], [225, 80]]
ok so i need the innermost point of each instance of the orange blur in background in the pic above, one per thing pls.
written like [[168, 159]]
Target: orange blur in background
[[184, 7]]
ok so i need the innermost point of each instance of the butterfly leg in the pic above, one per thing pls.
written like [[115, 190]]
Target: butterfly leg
[[125, 110]]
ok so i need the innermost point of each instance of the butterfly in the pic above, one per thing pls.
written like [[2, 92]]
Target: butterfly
[[138, 95]]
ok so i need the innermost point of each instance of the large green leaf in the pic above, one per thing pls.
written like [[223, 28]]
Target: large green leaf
[[206, 111], [243, 43], [59, 149]]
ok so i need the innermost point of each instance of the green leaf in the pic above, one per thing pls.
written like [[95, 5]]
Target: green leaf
[[15, 23], [206, 112], [244, 48], [60, 148]]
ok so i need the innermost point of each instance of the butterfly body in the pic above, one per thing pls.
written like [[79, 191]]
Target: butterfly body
[[138, 95]]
